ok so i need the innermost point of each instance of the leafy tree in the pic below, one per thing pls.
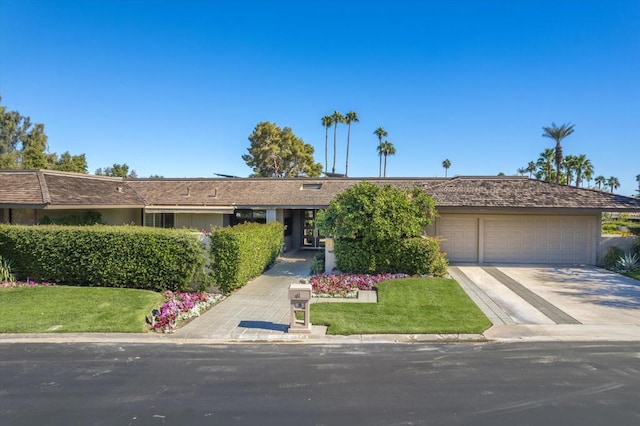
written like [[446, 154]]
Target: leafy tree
[[558, 134], [373, 213], [350, 117], [327, 122], [337, 119], [24, 146], [446, 164], [380, 132], [613, 183], [386, 149], [600, 181], [117, 170], [276, 152]]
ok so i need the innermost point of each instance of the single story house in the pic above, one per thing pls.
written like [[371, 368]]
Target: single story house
[[481, 219]]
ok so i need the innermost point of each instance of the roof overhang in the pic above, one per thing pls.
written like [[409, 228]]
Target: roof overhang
[[190, 209]]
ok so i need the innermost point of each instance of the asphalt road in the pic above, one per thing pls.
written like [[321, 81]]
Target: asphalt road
[[393, 384]]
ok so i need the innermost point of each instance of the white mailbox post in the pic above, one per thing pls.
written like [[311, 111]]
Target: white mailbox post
[[300, 296]]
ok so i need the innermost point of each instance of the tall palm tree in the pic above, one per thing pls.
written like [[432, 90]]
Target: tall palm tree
[[350, 117], [386, 149], [337, 119], [600, 181], [327, 121], [521, 171], [557, 134], [638, 180], [545, 165], [613, 183], [569, 164], [446, 164], [380, 133], [531, 168], [583, 168]]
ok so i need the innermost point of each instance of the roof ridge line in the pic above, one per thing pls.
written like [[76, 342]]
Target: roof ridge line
[[44, 189]]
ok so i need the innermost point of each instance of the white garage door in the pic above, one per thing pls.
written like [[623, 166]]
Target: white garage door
[[518, 239], [459, 238], [544, 239]]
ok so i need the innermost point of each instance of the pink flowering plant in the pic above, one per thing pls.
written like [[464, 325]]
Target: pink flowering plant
[[28, 283], [180, 306], [347, 285]]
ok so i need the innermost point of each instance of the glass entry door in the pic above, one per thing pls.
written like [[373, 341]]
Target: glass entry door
[[311, 238]]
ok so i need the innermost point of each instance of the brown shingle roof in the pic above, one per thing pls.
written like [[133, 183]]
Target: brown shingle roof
[[47, 187], [38, 188]]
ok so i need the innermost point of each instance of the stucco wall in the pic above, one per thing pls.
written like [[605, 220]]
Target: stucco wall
[[200, 221], [623, 243]]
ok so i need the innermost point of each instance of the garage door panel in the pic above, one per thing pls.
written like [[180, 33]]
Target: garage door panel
[[459, 238], [545, 239]]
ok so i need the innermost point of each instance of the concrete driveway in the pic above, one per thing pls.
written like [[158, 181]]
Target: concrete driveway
[[528, 301]]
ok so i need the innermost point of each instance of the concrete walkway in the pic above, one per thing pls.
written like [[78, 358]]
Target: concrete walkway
[[258, 311]]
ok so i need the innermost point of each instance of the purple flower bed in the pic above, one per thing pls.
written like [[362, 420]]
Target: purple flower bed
[[347, 285], [29, 283], [181, 306]]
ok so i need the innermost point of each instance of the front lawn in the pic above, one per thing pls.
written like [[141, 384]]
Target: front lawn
[[405, 306], [633, 274], [60, 309]]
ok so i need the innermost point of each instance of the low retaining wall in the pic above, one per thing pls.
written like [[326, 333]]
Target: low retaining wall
[[606, 241]]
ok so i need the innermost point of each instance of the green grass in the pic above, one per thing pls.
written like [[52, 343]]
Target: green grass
[[634, 274], [408, 305], [60, 309]]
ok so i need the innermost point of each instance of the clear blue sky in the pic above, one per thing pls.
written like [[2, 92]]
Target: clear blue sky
[[175, 87]]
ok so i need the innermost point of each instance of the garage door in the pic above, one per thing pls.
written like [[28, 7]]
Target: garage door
[[518, 239], [459, 238], [545, 239]]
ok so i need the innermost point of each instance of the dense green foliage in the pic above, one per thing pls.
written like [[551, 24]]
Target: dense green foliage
[[242, 252], [276, 152], [378, 229], [407, 305], [61, 309], [413, 256], [105, 256]]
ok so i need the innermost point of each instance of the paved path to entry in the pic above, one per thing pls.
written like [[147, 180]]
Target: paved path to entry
[[257, 311]]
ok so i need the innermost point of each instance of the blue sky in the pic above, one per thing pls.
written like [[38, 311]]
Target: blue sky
[[176, 87]]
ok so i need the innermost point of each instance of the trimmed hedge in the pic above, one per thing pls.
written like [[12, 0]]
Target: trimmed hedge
[[105, 256], [242, 252], [413, 256]]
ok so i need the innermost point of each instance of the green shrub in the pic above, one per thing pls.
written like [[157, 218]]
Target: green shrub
[[318, 263], [613, 254], [636, 247], [6, 271], [413, 256], [242, 252], [105, 256]]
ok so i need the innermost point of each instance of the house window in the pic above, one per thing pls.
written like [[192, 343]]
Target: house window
[[159, 220], [247, 215]]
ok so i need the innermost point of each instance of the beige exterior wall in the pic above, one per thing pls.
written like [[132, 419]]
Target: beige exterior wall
[[200, 221], [605, 242]]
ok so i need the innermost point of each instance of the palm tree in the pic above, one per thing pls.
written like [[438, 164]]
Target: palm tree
[[613, 183], [557, 134], [569, 164], [337, 119], [583, 168], [350, 117], [531, 168], [600, 181], [380, 133], [545, 165], [386, 149], [521, 171], [638, 180], [327, 121], [446, 164]]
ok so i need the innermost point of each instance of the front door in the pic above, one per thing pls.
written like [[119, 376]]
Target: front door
[[311, 238]]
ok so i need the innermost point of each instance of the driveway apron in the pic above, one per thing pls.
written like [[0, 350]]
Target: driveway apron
[[259, 310]]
